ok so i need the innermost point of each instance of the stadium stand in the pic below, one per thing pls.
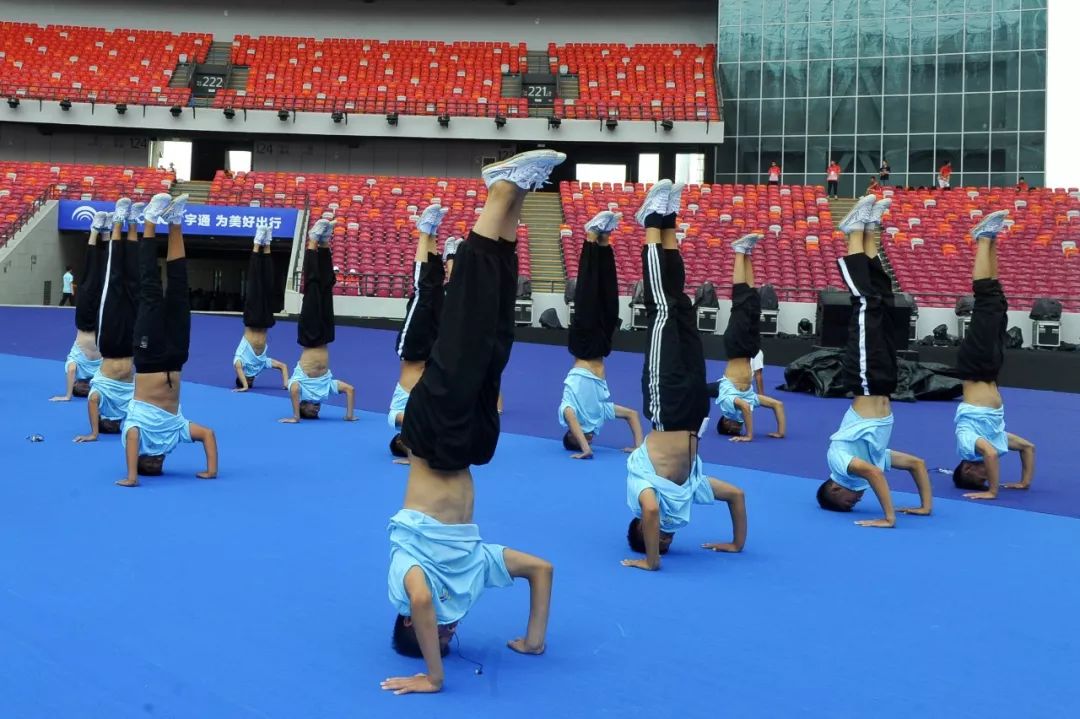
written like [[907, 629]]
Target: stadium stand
[[638, 82], [800, 255], [375, 238], [87, 64], [931, 253], [368, 76], [24, 185]]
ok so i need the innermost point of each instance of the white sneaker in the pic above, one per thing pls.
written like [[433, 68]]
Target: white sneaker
[[656, 201], [856, 220], [137, 213], [321, 231], [528, 170], [990, 225], [450, 248], [430, 219], [675, 198], [878, 211], [599, 223], [102, 222], [122, 210], [174, 213], [745, 244], [157, 206], [262, 235]]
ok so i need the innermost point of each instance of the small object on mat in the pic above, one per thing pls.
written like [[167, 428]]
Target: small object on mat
[[35, 438]]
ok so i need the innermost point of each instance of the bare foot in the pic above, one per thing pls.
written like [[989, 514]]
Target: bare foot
[[520, 646], [128, 482]]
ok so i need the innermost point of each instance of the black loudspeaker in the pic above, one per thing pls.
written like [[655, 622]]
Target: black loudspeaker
[[834, 313]]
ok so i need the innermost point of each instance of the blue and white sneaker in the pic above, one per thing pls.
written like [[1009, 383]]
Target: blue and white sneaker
[[137, 213], [321, 231], [878, 211], [159, 203], [122, 210], [656, 201], [674, 203], [102, 222], [450, 248], [745, 244], [855, 221], [528, 170], [430, 219], [174, 213], [604, 222], [262, 235], [990, 226]]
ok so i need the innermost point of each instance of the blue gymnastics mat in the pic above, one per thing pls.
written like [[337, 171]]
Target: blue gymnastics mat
[[263, 593]]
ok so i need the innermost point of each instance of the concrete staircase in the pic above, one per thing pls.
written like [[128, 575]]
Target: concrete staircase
[[220, 53], [511, 86], [197, 189], [543, 214], [181, 76], [839, 208], [238, 78]]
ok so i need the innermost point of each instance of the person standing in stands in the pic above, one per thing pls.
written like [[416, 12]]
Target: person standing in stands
[[884, 171], [67, 295], [1022, 184], [774, 174], [832, 176], [945, 176]]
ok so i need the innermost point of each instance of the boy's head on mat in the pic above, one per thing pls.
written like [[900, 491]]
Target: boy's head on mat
[[636, 538], [250, 382], [571, 444], [150, 465], [836, 497], [729, 427], [405, 643], [81, 388], [310, 410], [109, 426], [971, 475], [397, 447]]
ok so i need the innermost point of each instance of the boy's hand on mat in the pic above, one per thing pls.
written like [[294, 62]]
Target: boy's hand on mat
[[581, 455], [289, 420], [416, 684], [350, 418], [980, 495], [1016, 485], [128, 482], [639, 564], [776, 435], [60, 398], [241, 389], [882, 523], [722, 547], [522, 646], [741, 439], [206, 475], [402, 460], [917, 511], [629, 450], [86, 438]]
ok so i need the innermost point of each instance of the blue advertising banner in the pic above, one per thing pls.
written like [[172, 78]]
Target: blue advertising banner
[[217, 220]]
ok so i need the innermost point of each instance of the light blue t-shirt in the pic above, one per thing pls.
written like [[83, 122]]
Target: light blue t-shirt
[[457, 564], [68, 279], [251, 364], [314, 389], [674, 499], [84, 368], [859, 438], [159, 431], [589, 397], [974, 423], [397, 405], [114, 396], [729, 393]]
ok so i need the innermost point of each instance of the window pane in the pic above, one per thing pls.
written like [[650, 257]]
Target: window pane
[[817, 158], [1033, 70], [821, 10], [820, 78], [1033, 111], [870, 76], [772, 79], [729, 12], [1003, 152], [795, 117], [923, 35], [871, 8], [750, 80], [843, 117], [976, 153], [1033, 30], [869, 115], [978, 32], [979, 5], [923, 7], [751, 11], [950, 33], [794, 157], [748, 156], [977, 72], [843, 77], [897, 8], [847, 9], [896, 114], [748, 118], [1006, 31], [922, 113], [976, 112], [731, 120], [796, 42], [867, 158], [1006, 4], [772, 117], [895, 151], [1003, 111], [950, 73], [949, 113], [922, 155], [818, 114], [798, 10], [1006, 70], [845, 39], [950, 6], [795, 82], [870, 33], [897, 34], [896, 76], [923, 70], [751, 43], [773, 42]]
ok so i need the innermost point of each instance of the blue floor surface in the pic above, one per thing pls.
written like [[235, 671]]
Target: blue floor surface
[[263, 593]]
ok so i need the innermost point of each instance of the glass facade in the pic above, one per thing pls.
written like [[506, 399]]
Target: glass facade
[[916, 82]]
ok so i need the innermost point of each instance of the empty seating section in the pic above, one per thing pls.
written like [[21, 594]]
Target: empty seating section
[[93, 64], [930, 249], [638, 82], [375, 239], [799, 251], [369, 76], [22, 184]]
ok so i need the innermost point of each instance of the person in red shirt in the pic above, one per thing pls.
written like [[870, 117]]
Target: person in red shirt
[[832, 175], [1022, 184], [945, 175], [774, 174]]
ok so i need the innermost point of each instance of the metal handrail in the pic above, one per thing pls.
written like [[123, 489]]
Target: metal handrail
[[27, 213]]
